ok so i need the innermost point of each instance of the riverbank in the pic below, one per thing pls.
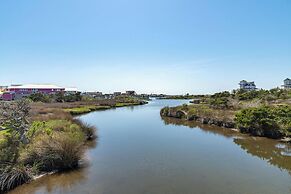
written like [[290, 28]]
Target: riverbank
[[273, 122], [80, 107], [258, 112], [202, 114]]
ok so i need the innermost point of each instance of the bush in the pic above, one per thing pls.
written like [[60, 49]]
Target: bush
[[40, 97], [257, 118], [54, 145], [59, 151], [221, 94], [265, 121], [8, 147], [221, 102], [62, 97]]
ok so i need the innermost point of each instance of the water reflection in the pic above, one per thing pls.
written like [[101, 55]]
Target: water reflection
[[268, 150], [55, 183], [273, 151], [60, 182], [206, 128]]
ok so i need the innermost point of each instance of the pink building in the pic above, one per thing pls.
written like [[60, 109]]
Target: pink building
[[20, 91], [8, 96]]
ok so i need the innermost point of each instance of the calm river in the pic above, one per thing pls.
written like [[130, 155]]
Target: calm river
[[138, 152]]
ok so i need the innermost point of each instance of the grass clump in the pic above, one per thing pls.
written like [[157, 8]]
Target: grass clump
[[122, 104], [13, 175], [58, 151], [57, 144], [87, 129]]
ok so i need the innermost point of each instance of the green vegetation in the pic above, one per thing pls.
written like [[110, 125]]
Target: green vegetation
[[219, 102], [265, 121], [122, 104], [39, 97], [58, 97], [55, 145], [85, 109], [182, 97], [262, 112], [268, 95], [117, 102], [196, 112]]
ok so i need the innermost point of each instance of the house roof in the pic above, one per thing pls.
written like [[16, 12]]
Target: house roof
[[286, 79], [35, 86], [71, 89]]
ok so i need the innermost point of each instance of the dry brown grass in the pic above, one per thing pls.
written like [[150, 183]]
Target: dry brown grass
[[44, 113], [50, 111]]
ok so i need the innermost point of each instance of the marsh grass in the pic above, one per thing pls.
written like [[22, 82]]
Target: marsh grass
[[89, 130], [13, 175], [85, 109], [59, 151]]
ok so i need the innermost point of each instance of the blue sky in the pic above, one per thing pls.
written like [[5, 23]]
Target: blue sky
[[159, 46]]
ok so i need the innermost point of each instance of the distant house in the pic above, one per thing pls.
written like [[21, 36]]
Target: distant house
[[287, 84], [130, 93], [14, 92], [116, 93], [71, 91], [248, 86], [93, 94], [108, 96]]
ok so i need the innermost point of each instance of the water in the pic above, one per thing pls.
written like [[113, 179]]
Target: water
[[138, 152]]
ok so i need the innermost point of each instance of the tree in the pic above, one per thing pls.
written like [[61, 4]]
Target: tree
[[39, 97], [14, 118]]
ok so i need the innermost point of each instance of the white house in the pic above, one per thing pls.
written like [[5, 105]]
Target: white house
[[287, 84], [248, 86]]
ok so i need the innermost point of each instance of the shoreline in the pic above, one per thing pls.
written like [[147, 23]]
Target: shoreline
[[88, 109], [172, 112]]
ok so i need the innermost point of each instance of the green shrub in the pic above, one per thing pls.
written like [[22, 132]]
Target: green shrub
[[55, 145], [58, 151], [47, 127], [257, 118], [269, 120], [224, 94], [38, 127], [40, 97], [219, 102], [8, 148]]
